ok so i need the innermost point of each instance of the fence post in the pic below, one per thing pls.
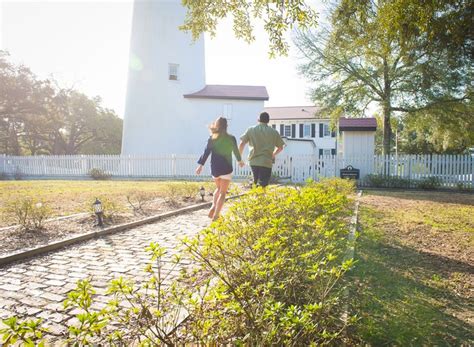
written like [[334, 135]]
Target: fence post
[[3, 163], [173, 165]]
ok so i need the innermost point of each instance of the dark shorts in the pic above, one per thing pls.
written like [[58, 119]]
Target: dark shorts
[[261, 175]]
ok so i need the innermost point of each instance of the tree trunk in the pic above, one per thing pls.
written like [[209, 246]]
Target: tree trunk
[[387, 109], [387, 130]]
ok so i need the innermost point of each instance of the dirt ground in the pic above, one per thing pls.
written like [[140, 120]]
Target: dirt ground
[[433, 223]]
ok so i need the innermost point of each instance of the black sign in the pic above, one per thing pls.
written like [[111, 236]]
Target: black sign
[[350, 172]]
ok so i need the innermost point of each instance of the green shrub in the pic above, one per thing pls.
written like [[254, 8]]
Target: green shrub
[[385, 181], [18, 175], [3, 176], [276, 258], [99, 174], [29, 213], [429, 183], [463, 187]]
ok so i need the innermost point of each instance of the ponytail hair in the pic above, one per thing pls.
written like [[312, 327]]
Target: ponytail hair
[[218, 127]]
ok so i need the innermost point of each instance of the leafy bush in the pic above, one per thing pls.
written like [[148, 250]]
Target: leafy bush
[[29, 213], [385, 181], [463, 187], [428, 183], [99, 174], [18, 175], [277, 270], [3, 176]]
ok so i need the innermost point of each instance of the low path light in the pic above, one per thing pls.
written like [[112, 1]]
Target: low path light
[[98, 211], [202, 192]]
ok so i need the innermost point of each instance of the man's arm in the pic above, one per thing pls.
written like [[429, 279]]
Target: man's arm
[[279, 144], [276, 151], [242, 147]]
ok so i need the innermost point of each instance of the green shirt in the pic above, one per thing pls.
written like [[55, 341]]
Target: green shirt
[[262, 141]]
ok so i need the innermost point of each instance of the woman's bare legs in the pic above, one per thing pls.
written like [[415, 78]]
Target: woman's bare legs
[[223, 186], [214, 198]]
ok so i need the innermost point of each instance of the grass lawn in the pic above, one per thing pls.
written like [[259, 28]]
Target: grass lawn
[[414, 280], [68, 197]]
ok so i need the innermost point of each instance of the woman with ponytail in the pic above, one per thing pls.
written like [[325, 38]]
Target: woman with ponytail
[[220, 146]]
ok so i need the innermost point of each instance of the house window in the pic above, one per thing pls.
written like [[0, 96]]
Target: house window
[[227, 111], [274, 126], [326, 130], [307, 130], [287, 132], [173, 72]]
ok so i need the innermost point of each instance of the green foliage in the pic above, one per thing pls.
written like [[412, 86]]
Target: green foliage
[[99, 174], [278, 19], [385, 181], [25, 333], [18, 175], [443, 130], [29, 213], [90, 323], [3, 176], [464, 187], [37, 117], [370, 54], [276, 270], [429, 183]]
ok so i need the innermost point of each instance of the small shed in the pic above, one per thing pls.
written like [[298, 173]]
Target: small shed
[[357, 137]]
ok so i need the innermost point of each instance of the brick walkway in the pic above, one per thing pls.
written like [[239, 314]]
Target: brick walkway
[[38, 287]]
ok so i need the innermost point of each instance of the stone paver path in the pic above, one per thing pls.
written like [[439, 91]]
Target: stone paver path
[[38, 287]]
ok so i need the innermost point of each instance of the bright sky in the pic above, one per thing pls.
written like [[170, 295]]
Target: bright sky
[[85, 44]]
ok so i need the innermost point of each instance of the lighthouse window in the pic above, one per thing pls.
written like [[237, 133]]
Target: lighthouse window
[[173, 72]]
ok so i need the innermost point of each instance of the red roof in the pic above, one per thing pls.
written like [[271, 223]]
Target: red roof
[[215, 91], [292, 112], [357, 124]]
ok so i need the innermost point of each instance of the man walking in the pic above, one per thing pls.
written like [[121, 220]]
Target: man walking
[[264, 143]]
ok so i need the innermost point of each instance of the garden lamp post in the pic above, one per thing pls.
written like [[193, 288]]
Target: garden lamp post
[[98, 211], [202, 192]]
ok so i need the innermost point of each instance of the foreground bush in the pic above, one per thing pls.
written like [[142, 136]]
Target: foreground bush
[[277, 261], [270, 272]]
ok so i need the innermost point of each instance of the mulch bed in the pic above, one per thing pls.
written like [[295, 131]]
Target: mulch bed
[[15, 239]]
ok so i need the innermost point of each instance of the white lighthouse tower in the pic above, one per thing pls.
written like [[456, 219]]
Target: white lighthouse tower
[[168, 102]]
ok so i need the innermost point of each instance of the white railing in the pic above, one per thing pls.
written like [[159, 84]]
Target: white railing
[[451, 170]]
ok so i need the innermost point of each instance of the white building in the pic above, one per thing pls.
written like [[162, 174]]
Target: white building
[[169, 105], [305, 132]]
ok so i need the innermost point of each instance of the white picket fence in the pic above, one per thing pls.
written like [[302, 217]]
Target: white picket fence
[[451, 170]]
